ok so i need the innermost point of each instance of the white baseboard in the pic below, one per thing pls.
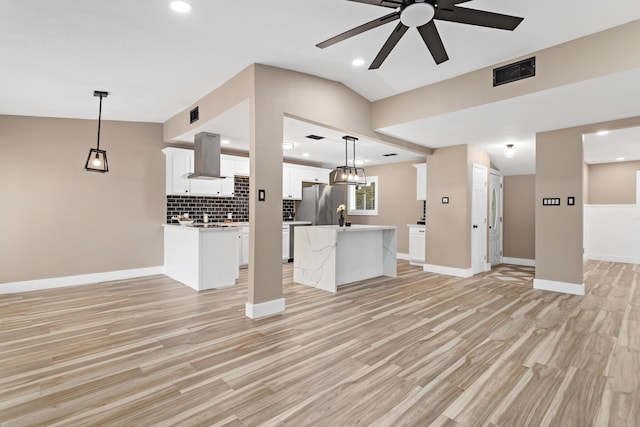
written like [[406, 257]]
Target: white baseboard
[[487, 267], [448, 271], [264, 309], [562, 287], [82, 279], [403, 256], [612, 258], [519, 261]]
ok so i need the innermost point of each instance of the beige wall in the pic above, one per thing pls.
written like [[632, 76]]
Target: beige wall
[[559, 228], [397, 204], [448, 231], [58, 220], [613, 183], [519, 217], [596, 55]]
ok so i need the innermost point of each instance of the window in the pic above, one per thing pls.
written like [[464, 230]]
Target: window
[[363, 200]]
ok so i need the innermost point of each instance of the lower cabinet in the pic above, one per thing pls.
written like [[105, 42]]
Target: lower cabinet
[[417, 245], [285, 243], [243, 247]]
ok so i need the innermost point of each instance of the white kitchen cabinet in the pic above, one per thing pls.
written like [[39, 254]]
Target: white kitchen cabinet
[[291, 182], [241, 165], [285, 242], [244, 245], [416, 245], [314, 174], [179, 163], [421, 181]]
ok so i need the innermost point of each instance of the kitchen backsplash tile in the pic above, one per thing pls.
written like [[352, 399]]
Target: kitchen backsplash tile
[[218, 207]]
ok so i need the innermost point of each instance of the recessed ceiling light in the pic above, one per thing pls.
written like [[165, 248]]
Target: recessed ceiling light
[[603, 133], [360, 162], [619, 159], [226, 141], [358, 62], [287, 145], [305, 154], [180, 6]]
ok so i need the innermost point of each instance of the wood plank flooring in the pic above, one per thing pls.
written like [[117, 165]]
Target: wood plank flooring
[[418, 350]]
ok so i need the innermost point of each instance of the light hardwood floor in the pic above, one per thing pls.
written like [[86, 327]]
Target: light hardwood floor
[[421, 349]]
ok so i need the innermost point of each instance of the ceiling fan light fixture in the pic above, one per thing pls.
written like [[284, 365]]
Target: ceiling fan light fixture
[[180, 6], [509, 151], [417, 14]]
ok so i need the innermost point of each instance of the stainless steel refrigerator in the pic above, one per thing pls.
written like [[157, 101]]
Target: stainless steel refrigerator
[[319, 204]]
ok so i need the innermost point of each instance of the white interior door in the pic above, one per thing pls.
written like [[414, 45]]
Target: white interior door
[[479, 220], [495, 218]]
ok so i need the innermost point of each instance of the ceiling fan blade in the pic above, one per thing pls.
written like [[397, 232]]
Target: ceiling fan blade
[[432, 39], [481, 18], [360, 29], [384, 3], [391, 42], [444, 4]]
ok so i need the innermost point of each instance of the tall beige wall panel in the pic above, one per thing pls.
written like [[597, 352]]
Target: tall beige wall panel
[[558, 229], [59, 220], [447, 233], [519, 217]]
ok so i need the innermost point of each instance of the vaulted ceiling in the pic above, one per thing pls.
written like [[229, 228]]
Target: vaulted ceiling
[[156, 63]]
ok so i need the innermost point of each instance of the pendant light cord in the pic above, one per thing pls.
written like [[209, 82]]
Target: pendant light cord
[[99, 121]]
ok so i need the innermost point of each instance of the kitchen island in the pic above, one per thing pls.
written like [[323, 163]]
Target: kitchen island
[[328, 256], [201, 257]]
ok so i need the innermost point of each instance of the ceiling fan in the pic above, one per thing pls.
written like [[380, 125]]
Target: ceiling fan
[[421, 14]]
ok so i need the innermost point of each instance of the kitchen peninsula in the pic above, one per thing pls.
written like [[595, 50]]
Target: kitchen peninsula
[[328, 256], [201, 257]]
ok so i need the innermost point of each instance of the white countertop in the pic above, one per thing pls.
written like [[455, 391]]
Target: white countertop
[[206, 229], [357, 227]]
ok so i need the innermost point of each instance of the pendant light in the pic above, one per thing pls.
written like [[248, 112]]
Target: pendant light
[[350, 175], [97, 159]]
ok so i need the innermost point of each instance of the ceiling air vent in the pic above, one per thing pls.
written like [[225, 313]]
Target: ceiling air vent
[[316, 137], [390, 154], [194, 115], [516, 71]]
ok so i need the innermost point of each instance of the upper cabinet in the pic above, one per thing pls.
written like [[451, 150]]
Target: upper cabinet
[[179, 163], [294, 175], [313, 174], [240, 165], [291, 182], [421, 181]]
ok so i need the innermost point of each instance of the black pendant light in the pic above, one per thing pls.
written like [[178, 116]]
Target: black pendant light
[[350, 175], [97, 159]]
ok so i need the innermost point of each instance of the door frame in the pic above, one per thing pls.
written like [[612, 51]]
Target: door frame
[[500, 214]]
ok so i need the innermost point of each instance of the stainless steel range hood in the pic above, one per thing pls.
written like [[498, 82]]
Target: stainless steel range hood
[[206, 161]]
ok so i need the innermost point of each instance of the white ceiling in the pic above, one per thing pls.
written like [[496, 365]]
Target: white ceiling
[[155, 63], [617, 145]]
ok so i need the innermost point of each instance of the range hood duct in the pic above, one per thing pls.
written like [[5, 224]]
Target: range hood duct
[[206, 161]]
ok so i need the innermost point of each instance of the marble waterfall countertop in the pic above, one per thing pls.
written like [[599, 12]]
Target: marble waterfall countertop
[[328, 256]]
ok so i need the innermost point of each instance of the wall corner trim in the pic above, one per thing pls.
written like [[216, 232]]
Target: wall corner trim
[[448, 271], [82, 279], [264, 309], [519, 261], [562, 287]]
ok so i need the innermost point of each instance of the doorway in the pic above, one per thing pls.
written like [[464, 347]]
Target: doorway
[[495, 217]]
